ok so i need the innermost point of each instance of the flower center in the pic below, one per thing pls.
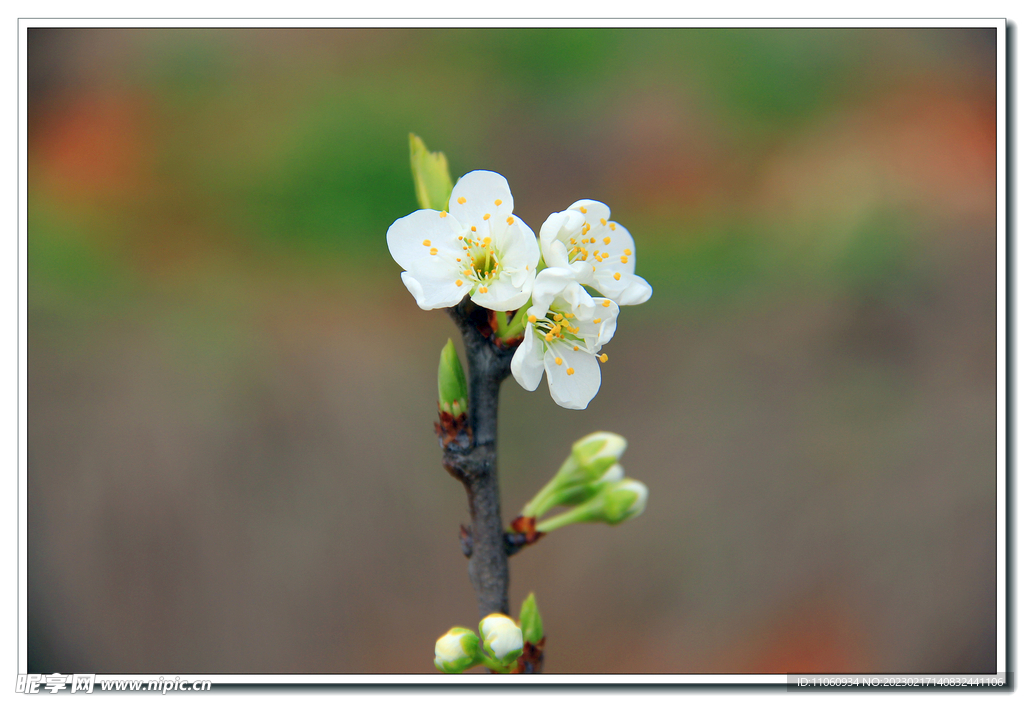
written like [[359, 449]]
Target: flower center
[[483, 258], [559, 333]]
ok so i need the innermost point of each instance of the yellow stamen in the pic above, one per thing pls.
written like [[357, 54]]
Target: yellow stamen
[[568, 315], [458, 260], [604, 254], [433, 252], [606, 303], [462, 201], [575, 348], [443, 215], [532, 318], [510, 221], [497, 203], [604, 221], [624, 259], [583, 210], [458, 283], [558, 361], [617, 276], [426, 242], [559, 318], [627, 252], [597, 320], [607, 240], [487, 240], [487, 216], [593, 240], [472, 229], [483, 288], [460, 237], [569, 371], [549, 336], [612, 225], [604, 358]]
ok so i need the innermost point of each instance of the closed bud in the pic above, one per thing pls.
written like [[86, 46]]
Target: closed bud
[[457, 651], [430, 175], [502, 638], [451, 382], [596, 453], [530, 622], [624, 500]]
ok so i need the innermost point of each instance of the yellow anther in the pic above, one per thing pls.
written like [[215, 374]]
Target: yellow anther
[[575, 348], [487, 240], [604, 358], [593, 240], [497, 203], [460, 237], [468, 272], [606, 303], [458, 283], [627, 252], [532, 319], [612, 225], [604, 254], [487, 216], [607, 240], [462, 201], [597, 320], [572, 241], [583, 210], [568, 315], [472, 229], [443, 215], [558, 361], [586, 227], [559, 318], [604, 221], [549, 336], [624, 259], [426, 242], [569, 371], [433, 252], [483, 288], [465, 248], [458, 260], [617, 275], [510, 221]]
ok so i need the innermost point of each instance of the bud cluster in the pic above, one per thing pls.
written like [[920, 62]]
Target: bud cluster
[[500, 645], [592, 482]]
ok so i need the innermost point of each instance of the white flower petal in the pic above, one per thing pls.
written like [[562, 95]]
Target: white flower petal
[[476, 195], [407, 235], [594, 210], [550, 283], [638, 291], [575, 390], [528, 361], [502, 295], [555, 233], [433, 294]]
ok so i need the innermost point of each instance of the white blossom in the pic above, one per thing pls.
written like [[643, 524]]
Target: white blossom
[[478, 247], [599, 252], [564, 335]]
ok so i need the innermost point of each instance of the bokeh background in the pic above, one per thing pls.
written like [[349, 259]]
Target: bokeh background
[[232, 467]]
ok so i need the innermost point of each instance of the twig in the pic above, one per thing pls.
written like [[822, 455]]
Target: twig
[[472, 459]]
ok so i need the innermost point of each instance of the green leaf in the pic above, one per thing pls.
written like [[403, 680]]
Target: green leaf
[[530, 621], [452, 391], [430, 175]]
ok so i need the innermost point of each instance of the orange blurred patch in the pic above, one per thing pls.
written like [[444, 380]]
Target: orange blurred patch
[[93, 146]]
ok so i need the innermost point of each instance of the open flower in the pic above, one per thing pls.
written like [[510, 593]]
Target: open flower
[[478, 247], [599, 252], [564, 335]]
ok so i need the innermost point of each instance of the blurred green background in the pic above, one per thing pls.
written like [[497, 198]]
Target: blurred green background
[[232, 467]]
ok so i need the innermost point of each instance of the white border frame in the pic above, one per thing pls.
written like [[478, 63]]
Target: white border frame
[[407, 679]]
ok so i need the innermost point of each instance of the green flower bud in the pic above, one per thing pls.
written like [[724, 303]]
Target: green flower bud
[[457, 651], [430, 175], [614, 503], [624, 500], [502, 638], [451, 382], [530, 621], [596, 453]]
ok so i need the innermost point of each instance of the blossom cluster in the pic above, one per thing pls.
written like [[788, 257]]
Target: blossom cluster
[[571, 282]]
